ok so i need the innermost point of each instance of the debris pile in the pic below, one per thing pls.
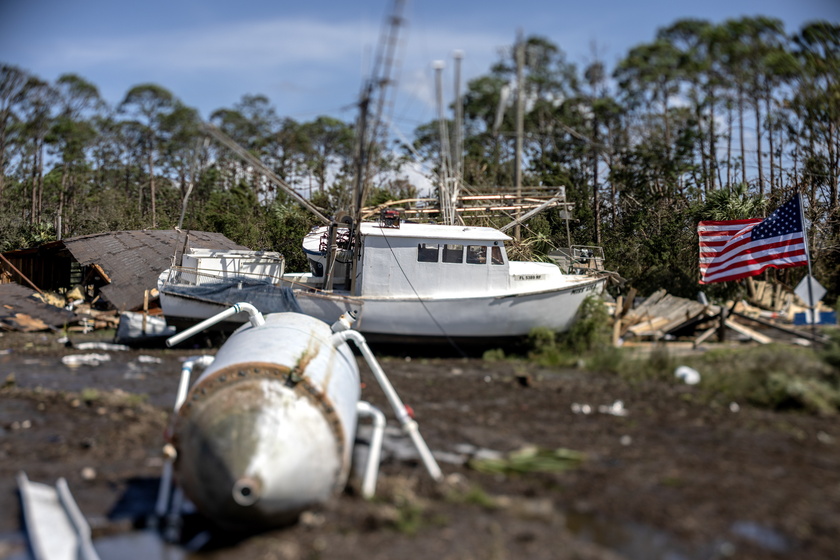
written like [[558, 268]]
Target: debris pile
[[665, 317], [20, 310]]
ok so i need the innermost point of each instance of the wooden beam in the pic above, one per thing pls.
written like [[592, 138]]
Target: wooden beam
[[21, 274], [748, 332], [101, 272]]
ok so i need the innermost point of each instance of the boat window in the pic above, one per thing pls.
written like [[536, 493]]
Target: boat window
[[427, 252], [476, 254], [453, 253], [496, 255]]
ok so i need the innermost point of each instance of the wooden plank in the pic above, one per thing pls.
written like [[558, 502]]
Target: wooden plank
[[650, 327], [617, 313], [704, 336], [746, 331], [794, 332], [101, 272], [628, 302]]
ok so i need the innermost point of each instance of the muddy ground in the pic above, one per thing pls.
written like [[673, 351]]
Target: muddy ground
[[671, 479]]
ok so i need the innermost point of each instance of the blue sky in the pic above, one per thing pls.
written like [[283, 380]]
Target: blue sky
[[309, 57]]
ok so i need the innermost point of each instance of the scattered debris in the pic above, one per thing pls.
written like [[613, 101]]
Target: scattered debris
[[687, 375], [22, 310], [664, 317], [578, 408], [76, 360], [55, 526], [135, 327], [614, 409], [149, 360], [662, 313], [100, 346]]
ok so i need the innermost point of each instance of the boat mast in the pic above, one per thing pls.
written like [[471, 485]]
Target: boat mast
[[520, 119], [458, 144], [372, 102], [446, 194]]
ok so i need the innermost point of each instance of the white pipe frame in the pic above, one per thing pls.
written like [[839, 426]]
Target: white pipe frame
[[408, 424], [365, 409], [254, 316], [164, 489]]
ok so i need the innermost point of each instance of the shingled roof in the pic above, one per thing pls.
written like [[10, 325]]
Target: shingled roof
[[133, 260]]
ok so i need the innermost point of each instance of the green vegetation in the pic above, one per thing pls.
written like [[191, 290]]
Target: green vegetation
[[89, 395], [529, 459], [589, 338], [774, 376]]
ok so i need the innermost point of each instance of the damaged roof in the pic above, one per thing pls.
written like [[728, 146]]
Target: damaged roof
[[133, 260], [20, 309]]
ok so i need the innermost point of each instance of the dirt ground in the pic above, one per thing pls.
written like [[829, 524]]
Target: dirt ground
[[670, 479]]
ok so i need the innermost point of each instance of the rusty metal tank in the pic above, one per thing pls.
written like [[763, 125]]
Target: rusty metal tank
[[267, 430]]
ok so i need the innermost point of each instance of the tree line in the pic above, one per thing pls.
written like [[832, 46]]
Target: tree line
[[706, 121]]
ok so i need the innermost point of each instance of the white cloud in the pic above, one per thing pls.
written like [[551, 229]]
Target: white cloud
[[233, 47]]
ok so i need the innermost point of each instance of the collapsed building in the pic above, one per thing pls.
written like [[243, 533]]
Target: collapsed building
[[112, 272]]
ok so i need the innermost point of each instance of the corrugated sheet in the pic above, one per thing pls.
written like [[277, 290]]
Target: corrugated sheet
[[15, 299], [133, 260]]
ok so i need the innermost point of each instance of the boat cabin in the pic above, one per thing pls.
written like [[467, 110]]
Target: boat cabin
[[418, 259]]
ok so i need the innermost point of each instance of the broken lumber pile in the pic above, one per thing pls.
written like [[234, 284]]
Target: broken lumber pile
[[663, 313], [661, 316]]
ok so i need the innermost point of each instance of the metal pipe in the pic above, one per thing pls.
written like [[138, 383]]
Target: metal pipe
[[254, 316], [371, 473], [186, 373], [164, 489], [77, 520], [408, 424]]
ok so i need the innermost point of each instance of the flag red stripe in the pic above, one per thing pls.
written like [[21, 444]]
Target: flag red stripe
[[789, 256]]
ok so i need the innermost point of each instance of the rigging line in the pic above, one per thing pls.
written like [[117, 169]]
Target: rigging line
[[426, 309]]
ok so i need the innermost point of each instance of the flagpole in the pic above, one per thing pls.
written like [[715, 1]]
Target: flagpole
[[808, 256]]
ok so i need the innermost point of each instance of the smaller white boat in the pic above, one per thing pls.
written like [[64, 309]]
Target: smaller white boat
[[208, 281]]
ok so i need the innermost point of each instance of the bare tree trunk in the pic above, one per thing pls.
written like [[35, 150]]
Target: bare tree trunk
[[741, 127], [704, 167], [34, 194], [770, 144], [62, 195], [758, 136], [834, 161], [152, 187], [729, 149], [40, 179], [712, 145]]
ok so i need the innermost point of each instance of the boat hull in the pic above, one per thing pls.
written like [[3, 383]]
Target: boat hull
[[423, 319], [482, 317]]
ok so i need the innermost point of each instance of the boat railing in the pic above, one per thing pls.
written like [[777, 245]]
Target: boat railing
[[192, 276], [579, 259]]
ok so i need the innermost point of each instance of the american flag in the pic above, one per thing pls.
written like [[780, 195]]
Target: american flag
[[736, 249]]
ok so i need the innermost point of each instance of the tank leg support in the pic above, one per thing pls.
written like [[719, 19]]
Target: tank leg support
[[365, 409], [408, 424]]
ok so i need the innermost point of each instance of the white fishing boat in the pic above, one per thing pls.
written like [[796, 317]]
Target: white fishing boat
[[420, 282], [429, 281]]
